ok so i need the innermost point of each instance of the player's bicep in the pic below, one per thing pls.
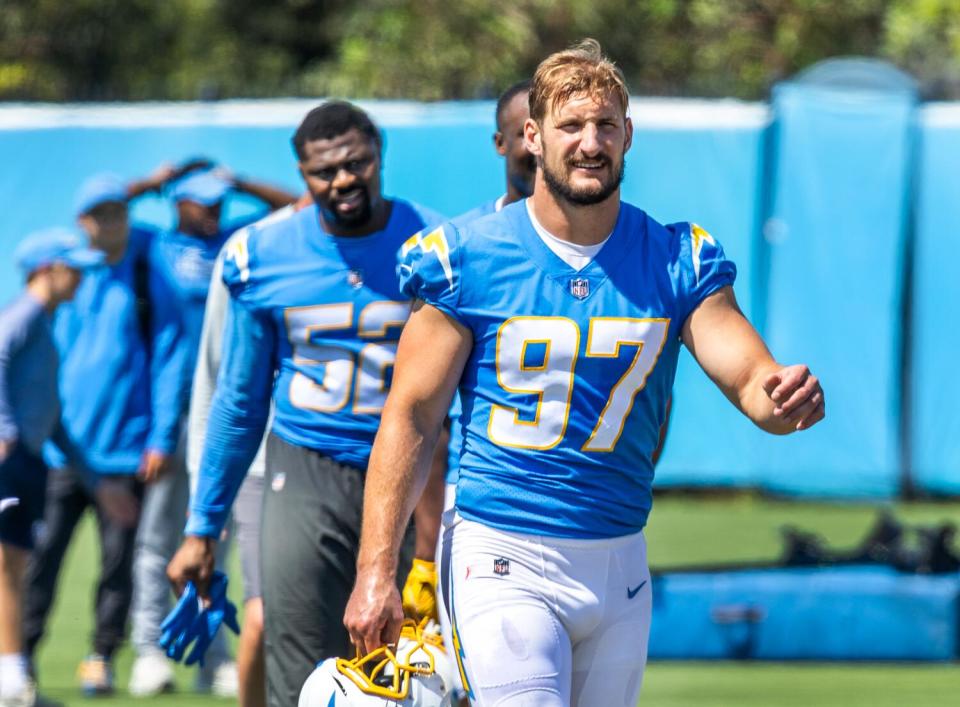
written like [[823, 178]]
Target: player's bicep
[[725, 344], [432, 352]]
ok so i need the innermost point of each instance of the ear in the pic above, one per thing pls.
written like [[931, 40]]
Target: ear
[[532, 137], [500, 143], [628, 141]]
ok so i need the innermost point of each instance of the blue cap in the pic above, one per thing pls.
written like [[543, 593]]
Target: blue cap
[[99, 189], [204, 188], [56, 245]]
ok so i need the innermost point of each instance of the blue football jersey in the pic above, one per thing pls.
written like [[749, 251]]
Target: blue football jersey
[[565, 389], [315, 318]]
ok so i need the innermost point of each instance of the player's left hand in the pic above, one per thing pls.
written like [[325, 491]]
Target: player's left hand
[[420, 591], [797, 396], [153, 465], [374, 613]]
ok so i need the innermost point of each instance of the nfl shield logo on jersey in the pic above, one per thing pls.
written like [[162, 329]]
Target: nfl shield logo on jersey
[[580, 288], [355, 279], [501, 566]]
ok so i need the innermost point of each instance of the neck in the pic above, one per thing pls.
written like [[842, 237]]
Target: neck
[[113, 254], [581, 225], [513, 194], [40, 289], [379, 217]]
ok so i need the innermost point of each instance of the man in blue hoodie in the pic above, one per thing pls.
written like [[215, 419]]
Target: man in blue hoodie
[[185, 257], [120, 387]]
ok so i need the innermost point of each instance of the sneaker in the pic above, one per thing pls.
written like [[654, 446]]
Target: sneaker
[[96, 676], [219, 679], [29, 698], [152, 674]]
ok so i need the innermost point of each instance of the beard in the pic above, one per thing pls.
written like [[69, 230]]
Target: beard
[[357, 218], [561, 188]]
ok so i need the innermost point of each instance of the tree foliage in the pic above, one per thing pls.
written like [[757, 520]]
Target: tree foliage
[[435, 49]]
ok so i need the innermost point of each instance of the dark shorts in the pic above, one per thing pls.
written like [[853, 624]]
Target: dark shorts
[[23, 488], [312, 509], [247, 511]]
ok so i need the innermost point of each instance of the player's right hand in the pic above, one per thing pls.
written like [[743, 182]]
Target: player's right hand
[[374, 613], [194, 561]]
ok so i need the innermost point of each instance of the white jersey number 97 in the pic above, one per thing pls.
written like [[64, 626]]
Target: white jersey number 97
[[551, 379]]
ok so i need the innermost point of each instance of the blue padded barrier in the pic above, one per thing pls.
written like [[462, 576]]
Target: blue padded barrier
[[837, 233], [702, 162], [934, 421], [852, 613]]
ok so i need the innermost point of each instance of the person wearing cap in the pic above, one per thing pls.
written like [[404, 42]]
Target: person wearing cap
[[53, 262], [120, 385], [186, 258]]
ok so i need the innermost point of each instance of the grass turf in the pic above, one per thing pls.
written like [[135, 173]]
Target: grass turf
[[682, 530]]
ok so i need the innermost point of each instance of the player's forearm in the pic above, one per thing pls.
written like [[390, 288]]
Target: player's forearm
[[398, 471], [429, 508]]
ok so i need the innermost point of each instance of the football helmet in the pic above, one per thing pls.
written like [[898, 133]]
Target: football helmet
[[417, 674]]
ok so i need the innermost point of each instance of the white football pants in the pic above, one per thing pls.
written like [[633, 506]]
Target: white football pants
[[547, 622]]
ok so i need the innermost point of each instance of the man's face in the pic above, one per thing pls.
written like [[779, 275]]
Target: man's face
[[521, 165], [580, 147], [64, 281], [343, 176], [107, 225], [198, 220]]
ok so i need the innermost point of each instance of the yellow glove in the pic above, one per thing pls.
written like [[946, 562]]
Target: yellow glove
[[420, 591]]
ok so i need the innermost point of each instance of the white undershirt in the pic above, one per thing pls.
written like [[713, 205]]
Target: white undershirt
[[576, 256]]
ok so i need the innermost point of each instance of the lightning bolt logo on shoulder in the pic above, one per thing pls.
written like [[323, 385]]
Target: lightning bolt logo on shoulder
[[434, 242], [698, 237]]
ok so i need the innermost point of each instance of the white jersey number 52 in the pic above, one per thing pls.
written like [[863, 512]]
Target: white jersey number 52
[[363, 375], [551, 379]]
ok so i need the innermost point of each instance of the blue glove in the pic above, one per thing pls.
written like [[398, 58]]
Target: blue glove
[[192, 622]]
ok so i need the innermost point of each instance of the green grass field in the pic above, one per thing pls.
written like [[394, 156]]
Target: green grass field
[[682, 531]]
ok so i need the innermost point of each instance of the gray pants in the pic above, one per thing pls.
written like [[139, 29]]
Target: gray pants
[[311, 533], [161, 529]]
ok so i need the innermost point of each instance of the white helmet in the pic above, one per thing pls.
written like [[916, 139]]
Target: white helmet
[[418, 674]]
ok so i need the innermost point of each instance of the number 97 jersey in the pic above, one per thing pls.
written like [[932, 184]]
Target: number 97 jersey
[[565, 389]]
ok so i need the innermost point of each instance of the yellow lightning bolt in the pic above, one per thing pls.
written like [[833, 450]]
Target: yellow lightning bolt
[[433, 242], [699, 236]]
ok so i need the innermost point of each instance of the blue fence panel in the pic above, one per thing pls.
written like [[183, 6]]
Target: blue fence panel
[[440, 155], [837, 235], [701, 161], [827, 613], [934, 422]]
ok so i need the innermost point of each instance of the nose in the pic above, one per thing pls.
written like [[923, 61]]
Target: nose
[[343, 179], [590, 140]]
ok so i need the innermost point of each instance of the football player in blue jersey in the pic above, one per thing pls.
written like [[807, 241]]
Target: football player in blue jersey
[[314, 316], [560, 320]]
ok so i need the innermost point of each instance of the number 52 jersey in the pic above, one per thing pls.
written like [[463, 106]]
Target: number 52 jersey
[[314, 320], [565, 390]]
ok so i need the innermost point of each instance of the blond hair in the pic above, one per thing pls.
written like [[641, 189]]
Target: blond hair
[[581, 69]]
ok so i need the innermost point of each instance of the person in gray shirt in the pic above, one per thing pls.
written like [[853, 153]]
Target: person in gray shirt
[[53, 262]]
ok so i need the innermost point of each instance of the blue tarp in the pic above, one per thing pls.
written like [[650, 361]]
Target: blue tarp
[[853, 613], [707, 173], [837, 234], [935, 343]]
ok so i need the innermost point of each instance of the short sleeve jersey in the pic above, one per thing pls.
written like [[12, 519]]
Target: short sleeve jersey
[[334, 311], [565, 389]]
